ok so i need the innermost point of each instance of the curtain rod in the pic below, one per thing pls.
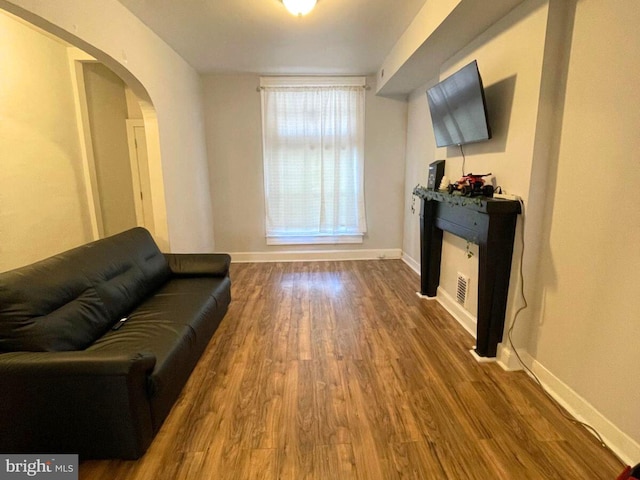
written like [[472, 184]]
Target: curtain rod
[[366, 87]]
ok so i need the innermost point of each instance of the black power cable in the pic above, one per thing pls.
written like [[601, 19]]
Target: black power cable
[[526, 368]]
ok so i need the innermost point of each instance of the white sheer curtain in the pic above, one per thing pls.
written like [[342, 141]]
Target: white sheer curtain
[[313, 144]]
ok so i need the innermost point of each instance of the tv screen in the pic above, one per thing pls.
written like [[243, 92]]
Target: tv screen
[[458, 108]]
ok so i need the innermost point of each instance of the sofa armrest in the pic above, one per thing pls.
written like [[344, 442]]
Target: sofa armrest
[[95, 404], [75, 363], [198, 264]]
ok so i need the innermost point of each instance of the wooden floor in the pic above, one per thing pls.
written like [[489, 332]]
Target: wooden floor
[[337, 370]]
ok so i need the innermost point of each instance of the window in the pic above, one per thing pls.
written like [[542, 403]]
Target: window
[[313, 152]]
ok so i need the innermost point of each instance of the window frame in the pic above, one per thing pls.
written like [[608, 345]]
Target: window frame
[[295, 238]]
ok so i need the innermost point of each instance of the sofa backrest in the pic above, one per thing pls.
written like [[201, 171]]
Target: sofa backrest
[[67, 301]]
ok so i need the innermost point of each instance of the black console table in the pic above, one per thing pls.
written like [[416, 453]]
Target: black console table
[[491, 224]]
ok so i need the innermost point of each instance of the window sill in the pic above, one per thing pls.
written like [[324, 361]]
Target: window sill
[[313, 240]]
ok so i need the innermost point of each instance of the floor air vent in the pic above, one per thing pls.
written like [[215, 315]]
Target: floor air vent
[[462, 290]]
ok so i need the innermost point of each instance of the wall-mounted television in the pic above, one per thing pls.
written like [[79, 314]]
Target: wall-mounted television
[[458, 108]]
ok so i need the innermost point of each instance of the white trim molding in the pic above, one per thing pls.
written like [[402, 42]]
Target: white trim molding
[[622, 444], [312, 81], [464, 318], [412, 262], [316, 255], [507, 358], [312, 239], [77, 58]]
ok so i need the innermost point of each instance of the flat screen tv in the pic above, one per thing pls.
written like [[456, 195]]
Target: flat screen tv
[[458, 108]]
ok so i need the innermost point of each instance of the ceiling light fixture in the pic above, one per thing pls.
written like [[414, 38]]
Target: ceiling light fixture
[[299, 7]]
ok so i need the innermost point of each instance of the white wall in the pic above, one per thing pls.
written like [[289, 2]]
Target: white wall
[[586, 311], [587, 324], [42, 197], [234, 141], [563, 103], [234, 144], [510, 57], [177, 151], [421, 149]]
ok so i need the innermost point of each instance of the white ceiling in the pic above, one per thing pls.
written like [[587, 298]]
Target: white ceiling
[[261, 36]]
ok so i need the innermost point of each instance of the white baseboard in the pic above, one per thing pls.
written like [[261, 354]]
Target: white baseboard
[[315, 255], [412, 262], [464, 318], [426, 297], [480, 359], [507, 358], [622, 444], [627, 449]]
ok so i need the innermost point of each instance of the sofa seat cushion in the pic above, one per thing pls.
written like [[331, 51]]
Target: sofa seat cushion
[[170, 343], [175, 325], [189, 301], [174, 347]]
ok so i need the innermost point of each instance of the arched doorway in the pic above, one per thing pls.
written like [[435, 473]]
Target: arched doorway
[[45, 204]]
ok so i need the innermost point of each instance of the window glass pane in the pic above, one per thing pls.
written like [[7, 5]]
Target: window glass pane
[[313, 140]]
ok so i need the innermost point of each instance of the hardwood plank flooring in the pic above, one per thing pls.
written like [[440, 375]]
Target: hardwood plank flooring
[[337, 370]]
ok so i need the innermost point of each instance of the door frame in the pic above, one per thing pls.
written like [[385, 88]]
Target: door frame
[[77, 58], [160, 227], [137, 171]]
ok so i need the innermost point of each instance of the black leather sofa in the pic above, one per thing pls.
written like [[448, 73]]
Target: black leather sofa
[[69, 382]]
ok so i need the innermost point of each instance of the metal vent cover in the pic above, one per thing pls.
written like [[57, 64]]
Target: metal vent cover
[[462, 289]]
